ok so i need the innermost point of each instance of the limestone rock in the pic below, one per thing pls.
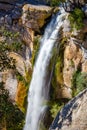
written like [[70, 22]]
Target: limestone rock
[[28, 36], [9, 78], [72, 59], [34, 17], [11, 85], [20, 63], [63, 93], [73, 116], [84, 66]]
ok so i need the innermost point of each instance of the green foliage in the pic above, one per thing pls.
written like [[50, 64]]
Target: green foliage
[[13, 37], [79, 82], [6, 62], [55, 108], [25, 80], [23, 86], [13, 117], [76, 18], [15, 46], [58, 58], [57, 79], [10, 34], [10, 43], [56, 2], [36, 49]]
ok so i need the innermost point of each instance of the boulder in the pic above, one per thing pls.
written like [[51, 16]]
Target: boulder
[[9, 78], [11, 85], [34, 17], [73, 116], [20, 62]]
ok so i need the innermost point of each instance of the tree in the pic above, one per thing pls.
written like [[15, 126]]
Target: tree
[[9, 113]]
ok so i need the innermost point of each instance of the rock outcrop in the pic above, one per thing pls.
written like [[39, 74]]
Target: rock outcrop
[[73, 116], [18, 23], [10, 80], [74, 57], [21, 26], [34, 17]]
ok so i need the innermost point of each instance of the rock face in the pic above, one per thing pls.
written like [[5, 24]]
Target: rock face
[[72, 59], [9, 78], [70, 5], [34, 17], [75, 58], [17, 29], [20, 63], [73, 116]]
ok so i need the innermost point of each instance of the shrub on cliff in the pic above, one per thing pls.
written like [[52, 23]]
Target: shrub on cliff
[[55, 2], [79, 82], [10, 116], [76, 18], [5, 61]]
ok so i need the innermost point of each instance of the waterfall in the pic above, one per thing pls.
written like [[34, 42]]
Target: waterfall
[[38, 91]]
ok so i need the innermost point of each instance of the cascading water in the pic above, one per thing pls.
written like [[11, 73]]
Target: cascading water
[[38, 92]]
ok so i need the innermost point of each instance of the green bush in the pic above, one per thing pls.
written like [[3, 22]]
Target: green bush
[[79, 82], [9, 113], [36, 49], [55, 108], [10, 34], [6, 62], [56, 2], [76, 18]]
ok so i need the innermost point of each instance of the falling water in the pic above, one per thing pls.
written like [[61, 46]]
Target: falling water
[[38, 91]]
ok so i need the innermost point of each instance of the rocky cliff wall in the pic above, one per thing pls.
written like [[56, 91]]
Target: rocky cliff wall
[[73, 115], [21, 27]]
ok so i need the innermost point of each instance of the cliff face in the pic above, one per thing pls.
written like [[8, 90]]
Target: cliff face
[[17, 34], [73, 116], [21, 27]]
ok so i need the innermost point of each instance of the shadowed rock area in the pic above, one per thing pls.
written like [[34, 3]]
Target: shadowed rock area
[[73, 116]]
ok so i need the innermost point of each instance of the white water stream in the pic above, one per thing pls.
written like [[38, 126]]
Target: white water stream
[[37, 92]]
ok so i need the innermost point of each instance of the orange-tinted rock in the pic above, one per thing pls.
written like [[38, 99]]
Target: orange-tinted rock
[[20, 95]]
